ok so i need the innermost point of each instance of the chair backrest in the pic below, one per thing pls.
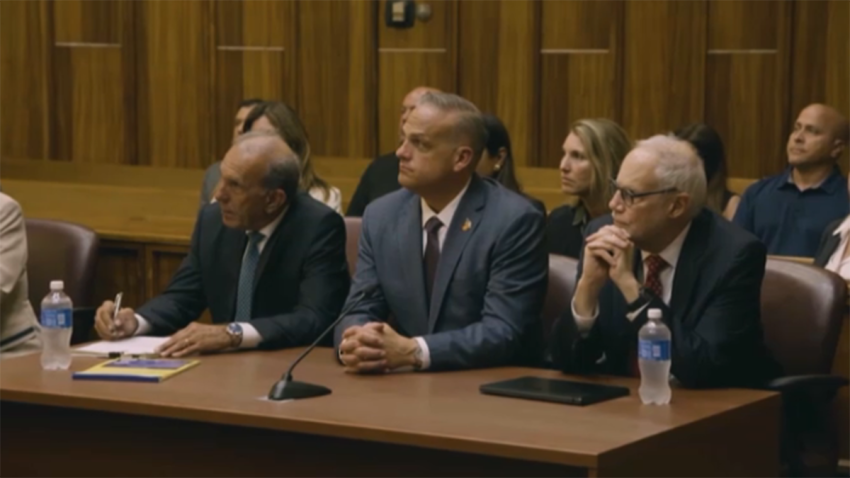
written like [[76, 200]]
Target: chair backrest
[[64, 251], [559, 293], [802, 310], [352, 240]]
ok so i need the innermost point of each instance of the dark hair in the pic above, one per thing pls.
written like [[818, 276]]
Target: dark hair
[[709, 147], [498, 138], [249, 102]]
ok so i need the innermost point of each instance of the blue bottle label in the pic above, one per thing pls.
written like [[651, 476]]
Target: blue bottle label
[[654, 350], [56, 318]]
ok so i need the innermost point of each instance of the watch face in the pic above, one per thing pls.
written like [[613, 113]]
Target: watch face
[[234, 328]]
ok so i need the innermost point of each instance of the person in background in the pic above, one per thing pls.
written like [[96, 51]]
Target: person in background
[[279, 118], [381, 176], [709, 147], [19, 329], [660, 248], [833, 252], [593, 151], [213, 172], [458, 261], [497, 160], [267, 261], [790, 211]]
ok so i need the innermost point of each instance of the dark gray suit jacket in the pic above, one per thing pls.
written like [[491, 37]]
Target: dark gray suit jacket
[[490, 284], [301, 279], [211, 177]]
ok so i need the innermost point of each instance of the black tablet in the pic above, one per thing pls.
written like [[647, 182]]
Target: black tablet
[[561, 391]]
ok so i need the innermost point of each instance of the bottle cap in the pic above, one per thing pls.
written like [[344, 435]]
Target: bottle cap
[[654, 314], [57, 285]]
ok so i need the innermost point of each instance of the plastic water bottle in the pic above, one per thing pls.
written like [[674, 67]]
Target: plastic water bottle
[[654, 360], [56, 328]]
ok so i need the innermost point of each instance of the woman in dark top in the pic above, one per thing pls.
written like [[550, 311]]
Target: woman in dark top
[[706, 141], [497, 161], [593, 152]]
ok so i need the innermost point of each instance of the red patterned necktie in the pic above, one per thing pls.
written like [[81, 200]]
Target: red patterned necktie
[[652, 281]]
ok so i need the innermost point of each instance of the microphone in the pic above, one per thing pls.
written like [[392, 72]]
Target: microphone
[[288, 389]]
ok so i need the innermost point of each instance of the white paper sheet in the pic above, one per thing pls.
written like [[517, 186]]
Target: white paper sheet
[[133, 345]]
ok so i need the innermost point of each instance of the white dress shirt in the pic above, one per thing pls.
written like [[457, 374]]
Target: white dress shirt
[[250, 337], [670, 254], [445, 216], [837, 262]]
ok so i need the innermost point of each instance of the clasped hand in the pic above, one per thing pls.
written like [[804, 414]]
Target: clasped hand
[[609, 253], [375, 348]]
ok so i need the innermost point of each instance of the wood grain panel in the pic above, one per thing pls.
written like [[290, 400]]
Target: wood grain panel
[[336, 64], [88, 21], [744, 24], [120, 268], [174, 107], [24, 76], [423, 55], [497, 69], [255, 58], [579, 69], [162, 262], [664, 65]]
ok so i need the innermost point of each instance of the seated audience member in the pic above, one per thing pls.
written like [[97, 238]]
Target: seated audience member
[[213, 172], [19, 330], [458, 260], [497, 160], [381, 176], [834, 250], [709, 147], [789, 211], [593, 152], [279, 118], [660, 248], [267, 261]]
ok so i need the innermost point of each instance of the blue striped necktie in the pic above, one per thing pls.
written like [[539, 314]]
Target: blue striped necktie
[[245, 293]]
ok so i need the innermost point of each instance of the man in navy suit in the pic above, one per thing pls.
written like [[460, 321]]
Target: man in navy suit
[[459, 262]]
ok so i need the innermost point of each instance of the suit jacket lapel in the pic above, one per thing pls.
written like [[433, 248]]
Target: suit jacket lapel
[[689, 263], [233, 241], [410, 249], [829, 247], [469, 209]]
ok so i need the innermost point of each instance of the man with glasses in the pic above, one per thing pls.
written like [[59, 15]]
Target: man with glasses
[[660, 248]]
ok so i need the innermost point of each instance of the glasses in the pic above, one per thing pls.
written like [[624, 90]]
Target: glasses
[[629, 196]]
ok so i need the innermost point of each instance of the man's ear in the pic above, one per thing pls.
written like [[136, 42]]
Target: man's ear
[[680, 205], [838, 148], [463, 158], [276, 199]]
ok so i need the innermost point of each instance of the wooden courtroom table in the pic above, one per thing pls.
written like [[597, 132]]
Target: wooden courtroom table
[[213, 421]]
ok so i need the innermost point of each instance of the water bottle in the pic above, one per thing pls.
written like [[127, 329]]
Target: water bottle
[[56, 328], [654, 360]]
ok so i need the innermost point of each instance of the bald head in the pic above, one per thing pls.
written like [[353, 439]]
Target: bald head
[[819, 137], [410, 101]]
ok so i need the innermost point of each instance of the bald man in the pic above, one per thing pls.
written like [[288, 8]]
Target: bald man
[[267, 261], [381, 177], [790, 211]]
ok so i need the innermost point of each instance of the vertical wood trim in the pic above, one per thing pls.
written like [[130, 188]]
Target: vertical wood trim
[[617, 47], [532, 156], [784, 51], [454, 44], [49, 120], [128, 70]]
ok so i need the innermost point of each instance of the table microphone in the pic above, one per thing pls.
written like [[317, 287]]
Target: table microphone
[[288, 389]]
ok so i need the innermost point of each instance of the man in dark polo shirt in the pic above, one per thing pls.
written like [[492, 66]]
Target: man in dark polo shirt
[[790, 211]]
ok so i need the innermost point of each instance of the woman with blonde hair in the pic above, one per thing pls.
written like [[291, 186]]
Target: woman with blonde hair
[[593, 152], [279, 118]]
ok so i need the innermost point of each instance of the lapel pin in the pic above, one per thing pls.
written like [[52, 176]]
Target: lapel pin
[[467, 225]]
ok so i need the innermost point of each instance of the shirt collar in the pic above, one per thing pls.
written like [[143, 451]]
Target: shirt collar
[[270, 227], [445, 216], [580, 215], [671, 253], [831, 184]]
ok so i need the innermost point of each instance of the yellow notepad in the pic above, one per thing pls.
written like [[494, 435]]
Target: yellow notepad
[[136, 370]]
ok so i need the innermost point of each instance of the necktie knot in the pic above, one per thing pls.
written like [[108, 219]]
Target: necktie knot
[[433, 225], [655, 264], [256, 237]]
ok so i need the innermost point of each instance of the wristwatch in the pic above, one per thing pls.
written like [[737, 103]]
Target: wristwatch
[[643, 298], [234, 330]]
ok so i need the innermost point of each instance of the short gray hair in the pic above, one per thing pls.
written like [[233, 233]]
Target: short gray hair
[[468, 123], [678, 166], [284, 166]]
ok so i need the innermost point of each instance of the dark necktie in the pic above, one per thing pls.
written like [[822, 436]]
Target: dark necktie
[[245, 292], [654, 265], [432, 253]]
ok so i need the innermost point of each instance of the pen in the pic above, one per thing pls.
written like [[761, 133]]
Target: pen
[[115, 322]]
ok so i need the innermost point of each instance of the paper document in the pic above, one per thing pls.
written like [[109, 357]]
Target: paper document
[[131, 346]]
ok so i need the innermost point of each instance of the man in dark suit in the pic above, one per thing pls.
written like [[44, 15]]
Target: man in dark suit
[[267, 261], [459, 262], [660, 248], [381, 176]]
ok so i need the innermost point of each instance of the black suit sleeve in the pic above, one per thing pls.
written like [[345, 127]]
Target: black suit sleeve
[[183, 301], [322, 291], [828, 243], [362, 194]]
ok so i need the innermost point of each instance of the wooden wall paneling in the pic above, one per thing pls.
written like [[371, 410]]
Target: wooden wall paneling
[[162, 262], [580, 76], [25, 79], [498, 66], [120, 268], [94, 81], [336, 64], [423, 55], [173, 41], [747, 83], [664, 66], [255, 57]]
